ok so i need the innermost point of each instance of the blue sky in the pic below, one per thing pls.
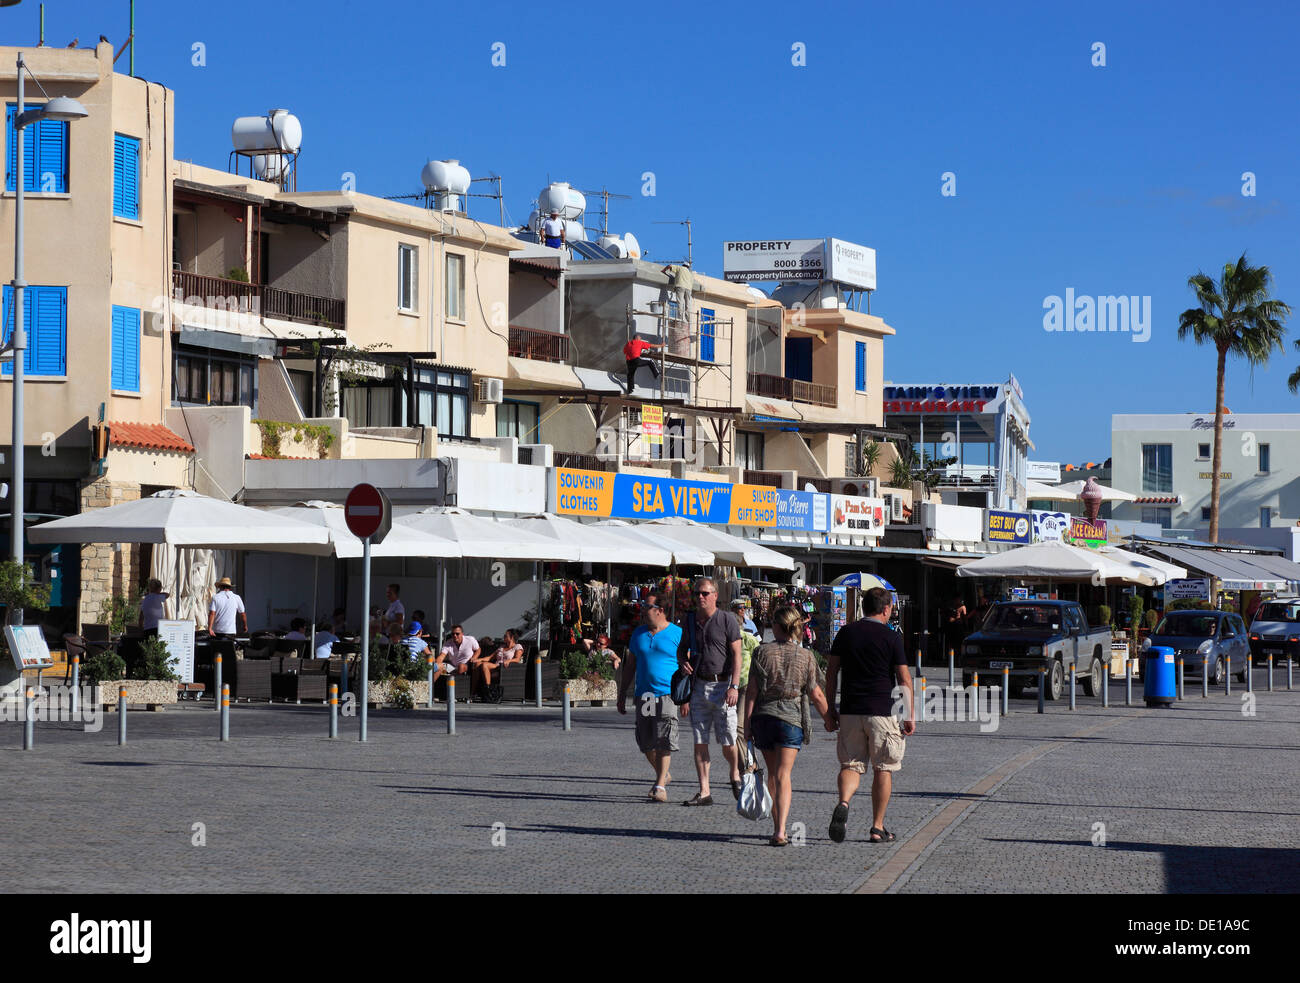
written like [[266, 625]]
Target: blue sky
[[1122, 179]]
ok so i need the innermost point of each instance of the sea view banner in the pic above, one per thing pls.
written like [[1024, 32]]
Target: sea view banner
[[602, 494]]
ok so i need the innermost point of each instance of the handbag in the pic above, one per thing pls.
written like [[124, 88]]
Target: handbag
[[682, 681], [755, 800]]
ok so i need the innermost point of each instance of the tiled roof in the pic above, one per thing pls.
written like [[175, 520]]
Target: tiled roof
[[267, 457], [1159, 500], [147, 436]]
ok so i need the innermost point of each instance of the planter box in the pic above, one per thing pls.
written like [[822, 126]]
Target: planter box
[[381, 693], [581, 691], [152, 693]]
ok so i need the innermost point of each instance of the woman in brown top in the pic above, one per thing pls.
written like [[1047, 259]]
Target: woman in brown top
[[775, 715]]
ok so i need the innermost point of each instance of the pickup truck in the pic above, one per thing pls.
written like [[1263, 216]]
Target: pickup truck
[[1027, 636]]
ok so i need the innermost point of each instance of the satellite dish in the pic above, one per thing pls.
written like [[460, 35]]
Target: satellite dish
[[809, 486], [631, 245]]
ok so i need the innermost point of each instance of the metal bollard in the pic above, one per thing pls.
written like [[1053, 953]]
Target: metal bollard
[[1071, 685], [1042, 687], [1290, 663], [76, 684], [952, 669], [1181, 689], [918, 712], [225, 711], [975, 681], [121, 715], [918, 662], [1250, 673], [451, 704], [1205, 677], [429, 660], [343, 678], [334, 710], [1270, 674], [566, 713], [1006, 690], [1227, 679], [537, 680], [1128, 682], [29, 718], [1105, 685], [217, 684]]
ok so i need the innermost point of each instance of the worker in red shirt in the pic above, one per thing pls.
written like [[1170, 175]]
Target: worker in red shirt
[[633, 352]]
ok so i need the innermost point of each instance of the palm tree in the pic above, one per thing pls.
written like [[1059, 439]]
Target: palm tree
[[1238, 317]]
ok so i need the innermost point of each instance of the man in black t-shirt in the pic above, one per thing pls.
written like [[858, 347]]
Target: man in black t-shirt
[[870, 654]]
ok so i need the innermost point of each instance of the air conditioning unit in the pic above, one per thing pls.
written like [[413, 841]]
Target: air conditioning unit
[[895, 505], [490, 390], [864, 487]]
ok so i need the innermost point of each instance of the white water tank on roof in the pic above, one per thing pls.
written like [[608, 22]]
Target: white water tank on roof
[[270, 167], [447, 180], [810, 293], [559, 195], [279, 131], [612, 245]]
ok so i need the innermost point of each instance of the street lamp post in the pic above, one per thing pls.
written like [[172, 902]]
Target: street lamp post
[[58, 108]]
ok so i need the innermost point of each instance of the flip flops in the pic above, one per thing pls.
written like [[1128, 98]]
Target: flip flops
[[879, 835]]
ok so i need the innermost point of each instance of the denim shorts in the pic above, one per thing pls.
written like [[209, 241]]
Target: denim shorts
[[769, 733]]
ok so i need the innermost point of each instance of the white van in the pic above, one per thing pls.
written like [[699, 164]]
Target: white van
[[1276, 631]]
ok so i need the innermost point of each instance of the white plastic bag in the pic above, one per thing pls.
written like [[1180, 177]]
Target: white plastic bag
[[755, 800]]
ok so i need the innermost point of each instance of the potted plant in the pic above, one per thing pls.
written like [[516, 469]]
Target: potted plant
[[589, 677], [149, 680]]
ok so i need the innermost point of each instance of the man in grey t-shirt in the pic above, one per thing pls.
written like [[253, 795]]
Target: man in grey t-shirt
[[710, 651]]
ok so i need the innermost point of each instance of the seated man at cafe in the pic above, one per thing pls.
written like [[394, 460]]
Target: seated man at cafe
[[297, 630], [459, 650], [418, 615], [325, 640]]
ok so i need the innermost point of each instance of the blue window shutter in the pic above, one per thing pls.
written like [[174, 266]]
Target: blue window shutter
[[860, 366], [29, 326], [126, 176], [126, 349], [48, 339], [52, 155], [707, 317]]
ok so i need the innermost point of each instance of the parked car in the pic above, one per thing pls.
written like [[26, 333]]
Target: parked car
[[1217, 637], [1276, 631], [1028, 636]]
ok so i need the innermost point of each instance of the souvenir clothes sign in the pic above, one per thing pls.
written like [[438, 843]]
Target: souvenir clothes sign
[[1006, 527], [1049, 527]]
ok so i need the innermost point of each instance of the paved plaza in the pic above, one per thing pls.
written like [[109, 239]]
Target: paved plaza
[[1198, 798]]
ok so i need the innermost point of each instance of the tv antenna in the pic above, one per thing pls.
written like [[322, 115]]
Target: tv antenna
[[690, 256], [604, 194]]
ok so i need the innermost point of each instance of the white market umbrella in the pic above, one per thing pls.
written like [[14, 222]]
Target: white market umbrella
[[1054, 493], [487, 539], [402, 540], [1075, 490], [595, 544], [686, 554], [1166, 570], [725, 547], [182, 518], [1057, 561]]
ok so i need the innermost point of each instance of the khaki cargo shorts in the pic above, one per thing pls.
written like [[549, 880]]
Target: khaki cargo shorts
[[878, 740]]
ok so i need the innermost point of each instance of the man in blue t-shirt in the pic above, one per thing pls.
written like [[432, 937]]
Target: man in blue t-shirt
[[651, 661]]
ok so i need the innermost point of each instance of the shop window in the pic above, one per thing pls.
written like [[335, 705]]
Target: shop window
[[203, 378], [519, 420]]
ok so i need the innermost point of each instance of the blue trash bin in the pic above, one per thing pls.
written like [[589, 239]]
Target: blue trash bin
[[1159, 678]]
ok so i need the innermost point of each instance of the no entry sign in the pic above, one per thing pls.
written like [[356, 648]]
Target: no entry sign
[[368, 513]]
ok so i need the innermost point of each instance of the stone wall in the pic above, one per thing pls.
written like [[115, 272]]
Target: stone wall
[[106, 571]]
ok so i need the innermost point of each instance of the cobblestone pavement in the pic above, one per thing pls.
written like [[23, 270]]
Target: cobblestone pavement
[[1197, 798]]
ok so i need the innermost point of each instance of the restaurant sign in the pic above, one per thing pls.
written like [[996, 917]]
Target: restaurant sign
[[1007, 527], [854, 515], [1083, 531], [1188, 589], [600, 494]]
